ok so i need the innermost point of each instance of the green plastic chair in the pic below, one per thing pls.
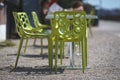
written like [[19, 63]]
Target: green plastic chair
[[69, 26], [29, 27], [25, 31], [37, 24]]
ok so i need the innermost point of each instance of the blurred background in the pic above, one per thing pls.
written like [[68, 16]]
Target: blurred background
[[104, 9], [107, 9]]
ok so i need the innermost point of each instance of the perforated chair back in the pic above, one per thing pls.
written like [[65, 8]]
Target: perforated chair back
[[68, 24], [36, 19], [24, 20], [18, 24], [37, 23]]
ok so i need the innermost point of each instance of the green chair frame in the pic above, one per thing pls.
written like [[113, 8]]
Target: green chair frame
[[25, 31], [69, 26]]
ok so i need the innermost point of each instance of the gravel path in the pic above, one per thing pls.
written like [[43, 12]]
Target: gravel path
[[103, 60]]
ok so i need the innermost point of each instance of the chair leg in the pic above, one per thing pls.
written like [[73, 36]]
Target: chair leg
[[41, 45], [34, 41], [50, 53], [83, 56], [61, 51], [56, 54], [90, 29], [26, 45], [19, 49], [85, 41], [79, 46]]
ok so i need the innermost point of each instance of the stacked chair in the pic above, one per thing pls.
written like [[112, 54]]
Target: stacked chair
[[69, 26], [26, 31]]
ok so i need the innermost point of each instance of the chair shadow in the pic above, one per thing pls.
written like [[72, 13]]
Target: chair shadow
[[38, 46], [37, 70], [43, 56], [44, 46], [42, 70]]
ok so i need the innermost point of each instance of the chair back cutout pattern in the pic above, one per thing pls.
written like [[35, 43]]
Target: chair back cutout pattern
[[69, 24]]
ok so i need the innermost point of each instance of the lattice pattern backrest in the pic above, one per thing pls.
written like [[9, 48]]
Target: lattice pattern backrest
[[18, 24], [68, 24], [79, 23], [35, 19], [24, 20]]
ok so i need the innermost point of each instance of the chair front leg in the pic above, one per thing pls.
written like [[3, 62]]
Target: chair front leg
[[61, 51], [56, 54], [83, 56], [26, 45], [84, 53], [50, 52], [85, 43], [19, 49]]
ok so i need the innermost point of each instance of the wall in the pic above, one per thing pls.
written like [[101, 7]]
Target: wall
[[2, 25]]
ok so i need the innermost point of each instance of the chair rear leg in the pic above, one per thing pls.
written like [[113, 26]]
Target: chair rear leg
[[41, 41], [56, 55], [83, 56], [90, 29], [61, 51], [34, 41]]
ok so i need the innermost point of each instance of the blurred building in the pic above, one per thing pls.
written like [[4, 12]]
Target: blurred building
[[2, 23], [2, 16]]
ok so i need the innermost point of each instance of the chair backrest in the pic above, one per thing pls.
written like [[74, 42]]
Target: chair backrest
[[68, 24], [35, 19], [24, 20], [18, 24]]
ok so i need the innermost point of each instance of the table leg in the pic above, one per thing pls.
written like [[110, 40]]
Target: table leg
[[71, 54]]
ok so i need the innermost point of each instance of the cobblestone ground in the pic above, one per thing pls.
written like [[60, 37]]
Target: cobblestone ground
[[103, 61]]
